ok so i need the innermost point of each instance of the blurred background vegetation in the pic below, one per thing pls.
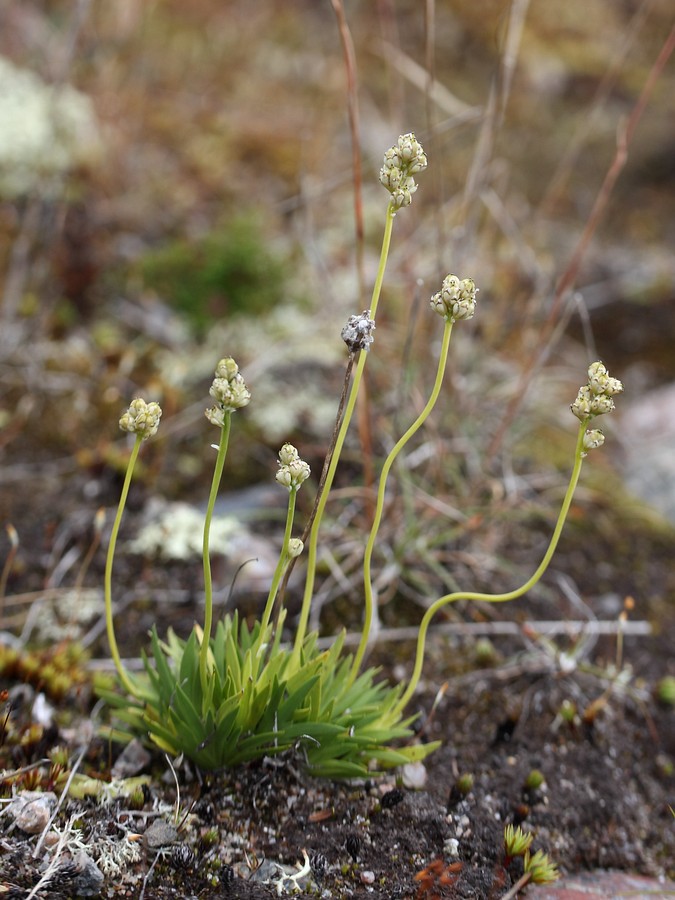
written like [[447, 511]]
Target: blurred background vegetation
[[176, 185]]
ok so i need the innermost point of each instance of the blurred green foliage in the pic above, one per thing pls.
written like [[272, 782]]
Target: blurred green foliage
[[229, 271]]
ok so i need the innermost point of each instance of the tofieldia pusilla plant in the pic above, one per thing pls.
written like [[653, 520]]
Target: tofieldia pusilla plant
[[232, 693]]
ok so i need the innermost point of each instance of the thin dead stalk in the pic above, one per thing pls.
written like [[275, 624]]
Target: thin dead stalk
[[363, 413], [355, 132], [625, 136]]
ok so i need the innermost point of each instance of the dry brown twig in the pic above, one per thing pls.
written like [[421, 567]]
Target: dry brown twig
[[625, 136]]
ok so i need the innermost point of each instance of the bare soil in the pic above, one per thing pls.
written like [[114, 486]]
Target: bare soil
[[607, 767]]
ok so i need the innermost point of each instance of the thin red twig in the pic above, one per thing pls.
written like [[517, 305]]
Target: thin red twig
[[569, 276]]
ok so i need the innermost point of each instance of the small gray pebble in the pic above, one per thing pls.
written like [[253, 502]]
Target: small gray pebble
[[159, 834]]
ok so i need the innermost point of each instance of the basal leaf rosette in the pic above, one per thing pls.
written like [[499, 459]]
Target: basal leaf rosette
[[337, 728]]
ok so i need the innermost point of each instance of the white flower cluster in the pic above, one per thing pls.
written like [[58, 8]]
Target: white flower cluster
[[401, 162], [292, 470], [595, 399], [142, 418], [456, 298], [45, 130], [228, 390]]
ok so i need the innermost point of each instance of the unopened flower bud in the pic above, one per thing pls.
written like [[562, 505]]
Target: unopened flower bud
[[601, 382], [391, 178], [283, 476], [593, 439], [358, 332], [402, 196], [288, 454], [295, 547], [411, 154], [595, 397], [228, 389], [292, 470], [227, 368], [141, 418], [457, 298], [299, 470], [400, 163], [601, 404], [582, 405], [215, 415]]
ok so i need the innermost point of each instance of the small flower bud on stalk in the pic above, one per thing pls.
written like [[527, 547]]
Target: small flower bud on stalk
[[293, 471], [595, 399], [400, 163], [141, 418], [456, 299], [228, 390], [295, 548], [593, 439]]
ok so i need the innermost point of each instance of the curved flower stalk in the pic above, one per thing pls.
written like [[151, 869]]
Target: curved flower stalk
[[229, 391], [594, 399], [401, 162], [292, 473], [455, 301], [141, 419]]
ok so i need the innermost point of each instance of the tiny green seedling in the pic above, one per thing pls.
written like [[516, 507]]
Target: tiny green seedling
[[537, 867]]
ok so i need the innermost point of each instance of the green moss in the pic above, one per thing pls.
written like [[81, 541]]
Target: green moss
[[229, 271], [665, 690]]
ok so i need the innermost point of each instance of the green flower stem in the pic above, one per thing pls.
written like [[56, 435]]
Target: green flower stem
[[208, 584], [349, 410], [126, 681], [382, 487], [281, 564], [498, 598]]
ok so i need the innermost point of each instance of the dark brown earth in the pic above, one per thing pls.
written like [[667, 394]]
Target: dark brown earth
[[607, 771]]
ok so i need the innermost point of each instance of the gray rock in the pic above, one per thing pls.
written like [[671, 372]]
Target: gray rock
[[159, 834], [132, 760], [647, 428], [31, 810], [89, 880]]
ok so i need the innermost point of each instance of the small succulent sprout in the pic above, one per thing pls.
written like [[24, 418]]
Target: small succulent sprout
[[516, 841], [540, 868], [295, 547], [484, 652], [534, 780], [665, 690], [405, 159], [142, 418], [358, 332], [456, 299], [465, 783], [292, 470], [228, 390], [568, 711], [595, 397]]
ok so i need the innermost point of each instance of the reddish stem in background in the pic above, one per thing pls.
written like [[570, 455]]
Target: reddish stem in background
[[624, 138], [355, 132], [363, 417]]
